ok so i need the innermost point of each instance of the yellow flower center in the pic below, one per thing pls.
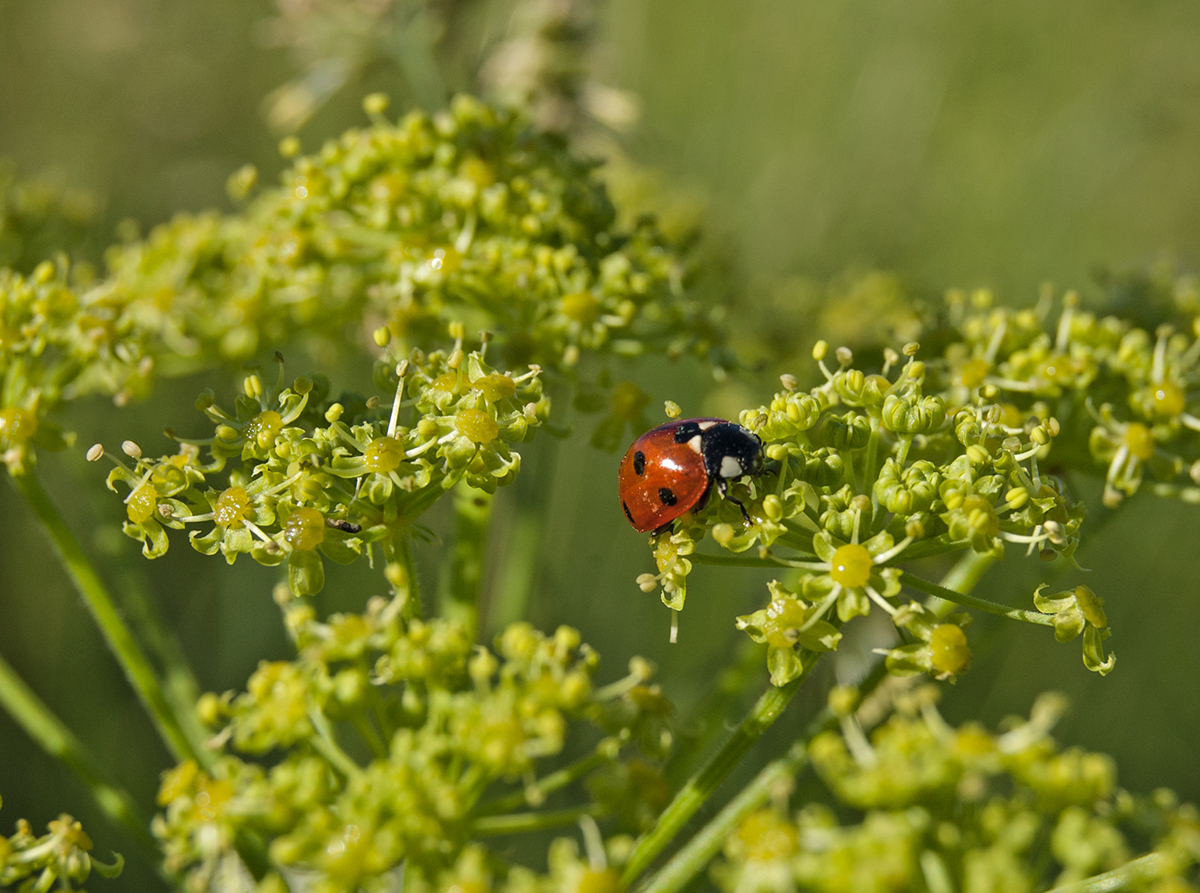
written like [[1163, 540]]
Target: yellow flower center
[[232, 508], [851, 566], [141, 503], [261, 429], [495, 387], [17, 426], [1140, 441], [305, 529], [948, 649], [476, 425], [1169, 400], [384, 455]]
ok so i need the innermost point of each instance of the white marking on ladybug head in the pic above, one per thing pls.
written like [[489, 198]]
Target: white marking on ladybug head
[[694, 444], [730, 467], [704, 426]]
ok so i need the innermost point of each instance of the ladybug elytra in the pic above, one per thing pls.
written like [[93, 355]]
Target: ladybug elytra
[[672, 468]]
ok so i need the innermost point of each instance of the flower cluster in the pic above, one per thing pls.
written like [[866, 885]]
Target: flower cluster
[[943, 808], [469, 217], [60, 858], [314, 477], [1122, 392], [863, 473], [390, 741], [39, 218]]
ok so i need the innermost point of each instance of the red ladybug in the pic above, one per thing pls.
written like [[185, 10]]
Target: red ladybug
[[671, 469]]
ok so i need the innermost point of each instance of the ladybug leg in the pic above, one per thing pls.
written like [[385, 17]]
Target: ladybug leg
[[723, 486]]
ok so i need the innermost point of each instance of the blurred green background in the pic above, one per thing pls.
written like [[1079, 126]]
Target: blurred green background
[[951, 143]]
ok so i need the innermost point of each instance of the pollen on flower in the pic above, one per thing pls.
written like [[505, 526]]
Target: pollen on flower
[[304, 529], [851, 566]]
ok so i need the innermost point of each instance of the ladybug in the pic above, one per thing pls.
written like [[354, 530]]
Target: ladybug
[[672, 468]]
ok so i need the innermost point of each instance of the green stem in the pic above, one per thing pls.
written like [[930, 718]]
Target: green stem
[[463, 574], [708, 716], [524, 822], [701, 786], [32, 715], [326, 745], [776, 775], [1142, 869], [180, 687], [550, 783], [112, 625], [971, 601]]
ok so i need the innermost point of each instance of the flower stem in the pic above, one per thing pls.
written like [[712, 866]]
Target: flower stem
[[48, 731], [463, 574], [116, 632], [1134, 873], [524, 822], [550, 783], [701, 786], [971, 601], [699, 851]]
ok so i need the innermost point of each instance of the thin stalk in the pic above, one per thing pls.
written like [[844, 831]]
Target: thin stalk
[[179, 683], [516, 578], [708, 716], [116, 632], [700, 850], [49, 733], [1140, 870], [549, 784], [971, 601], [463, 574], [524, 822], [701, 786]]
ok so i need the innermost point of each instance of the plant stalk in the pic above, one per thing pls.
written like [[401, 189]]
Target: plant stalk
[[701, 786], [59, 742], [116, 632]]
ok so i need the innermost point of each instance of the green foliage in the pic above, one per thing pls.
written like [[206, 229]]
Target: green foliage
[[394, 742]]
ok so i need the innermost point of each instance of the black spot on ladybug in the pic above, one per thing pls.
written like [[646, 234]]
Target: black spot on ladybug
[[667, 497], [628, 513], [639, 462]]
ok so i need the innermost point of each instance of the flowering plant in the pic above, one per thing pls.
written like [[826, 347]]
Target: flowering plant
[[469, 273]]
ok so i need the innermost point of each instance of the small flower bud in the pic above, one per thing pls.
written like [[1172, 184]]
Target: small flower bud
[[820, 350], [673, 410], [375, 103], [789, 382], [96, 451], [131, 449], [647, 582]]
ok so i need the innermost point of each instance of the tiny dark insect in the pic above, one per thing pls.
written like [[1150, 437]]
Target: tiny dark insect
[[671, 469]]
